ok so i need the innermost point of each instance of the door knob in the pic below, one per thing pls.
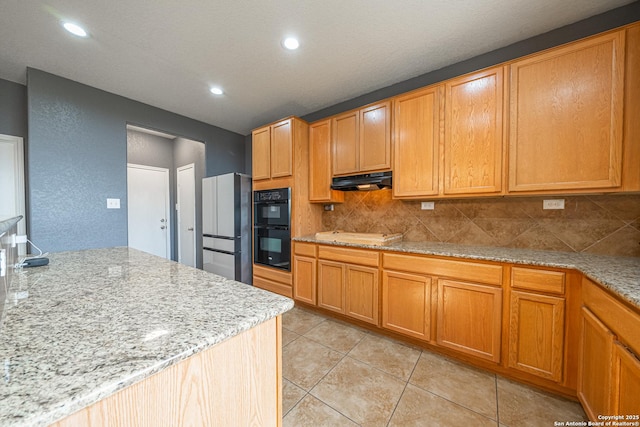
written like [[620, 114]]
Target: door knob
[[162, 227], [190, 229], [162, 220]]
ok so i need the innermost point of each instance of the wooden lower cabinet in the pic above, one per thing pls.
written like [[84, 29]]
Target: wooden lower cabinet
[[406, 304], [331, 278], [536, 334], [304, 279], [361, 293], [594, 369], [273, 280], [625, 384], [470, 318], [609, 365]]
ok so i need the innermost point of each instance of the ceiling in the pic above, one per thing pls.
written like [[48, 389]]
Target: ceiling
[[168, 54]]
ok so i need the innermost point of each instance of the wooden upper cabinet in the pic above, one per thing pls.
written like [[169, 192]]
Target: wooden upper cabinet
[[273, 151], [474, 133], [346, 152], [416, 143], [281, 149], [261, 149], [375, 137], [361, 140], [566, 117], [320, 164]]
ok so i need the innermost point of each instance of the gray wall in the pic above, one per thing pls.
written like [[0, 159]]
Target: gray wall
[[596, 24], [13, 109], [77, 155]]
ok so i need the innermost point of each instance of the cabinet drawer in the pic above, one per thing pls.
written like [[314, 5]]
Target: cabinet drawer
[[471, 271], [353, 256], [306, 249], [538, 280], [272, 274]]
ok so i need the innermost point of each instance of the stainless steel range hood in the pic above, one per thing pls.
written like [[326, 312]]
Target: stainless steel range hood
[[364, 182]]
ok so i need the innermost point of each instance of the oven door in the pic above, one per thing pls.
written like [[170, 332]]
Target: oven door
[[271, 214], [272, 247]]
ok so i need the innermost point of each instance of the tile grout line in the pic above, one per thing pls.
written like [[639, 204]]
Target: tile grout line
[[406, 384]]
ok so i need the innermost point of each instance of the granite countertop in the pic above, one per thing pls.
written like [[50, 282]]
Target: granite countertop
[[93, 322], [621, 275]]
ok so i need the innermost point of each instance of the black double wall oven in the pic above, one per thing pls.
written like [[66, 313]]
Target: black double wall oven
[[272, 228]]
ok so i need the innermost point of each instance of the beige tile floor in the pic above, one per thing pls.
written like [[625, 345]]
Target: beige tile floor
[[336, 374]]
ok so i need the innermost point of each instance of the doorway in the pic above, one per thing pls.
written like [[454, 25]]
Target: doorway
[[186, 210], [148, 209], [160, 149], [12, 188]]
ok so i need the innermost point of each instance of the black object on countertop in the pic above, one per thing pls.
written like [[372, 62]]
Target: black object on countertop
[[35, 262]]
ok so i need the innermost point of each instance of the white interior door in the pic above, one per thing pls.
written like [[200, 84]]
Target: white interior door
[[148, 209], [12, 194], [186, 209]]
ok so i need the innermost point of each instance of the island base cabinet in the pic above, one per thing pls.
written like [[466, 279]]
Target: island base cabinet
[[235, 383], [470, 318], [406, 304]]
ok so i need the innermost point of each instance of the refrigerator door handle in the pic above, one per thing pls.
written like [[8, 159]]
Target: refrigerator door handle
[[215, 236], [219, 251]]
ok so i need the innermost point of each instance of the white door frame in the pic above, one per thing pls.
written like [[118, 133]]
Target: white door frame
[[167, 208], [191, 166], [19, 191]]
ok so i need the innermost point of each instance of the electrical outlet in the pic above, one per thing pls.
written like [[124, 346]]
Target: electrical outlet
[[113, 203], [553, 204], [328, 207], [427, 206]]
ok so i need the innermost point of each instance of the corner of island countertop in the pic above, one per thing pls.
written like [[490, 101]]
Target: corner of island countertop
[[95, 321]]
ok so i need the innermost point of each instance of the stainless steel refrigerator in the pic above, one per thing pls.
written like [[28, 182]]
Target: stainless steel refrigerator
[[226, 226]]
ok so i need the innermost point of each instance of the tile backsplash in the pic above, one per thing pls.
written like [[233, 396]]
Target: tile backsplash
[[602, 224]]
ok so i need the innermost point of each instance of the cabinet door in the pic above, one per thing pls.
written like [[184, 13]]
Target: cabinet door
[[594, 367], [536, 334], [361, 293], [345, 141], [625, 393], [320, 164], [282, 149], [416, 140], [375, 137], [566, 117], [331, 278], [261, 153], [406, 304], [473, 141], [304, 279], [469, 318]]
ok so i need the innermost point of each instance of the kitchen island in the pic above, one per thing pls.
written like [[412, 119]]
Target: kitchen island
[[98, 329]]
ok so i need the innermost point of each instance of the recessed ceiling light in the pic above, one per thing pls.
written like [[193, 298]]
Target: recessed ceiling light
[[216, 91], [75, 29], [291, 43]]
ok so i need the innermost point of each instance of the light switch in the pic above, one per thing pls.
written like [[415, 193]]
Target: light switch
[[113, 203]]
